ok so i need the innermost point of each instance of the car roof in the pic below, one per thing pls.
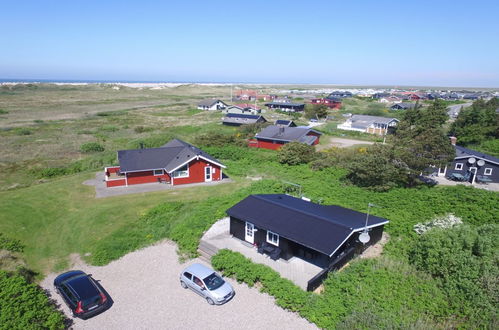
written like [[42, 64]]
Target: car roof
[[199, 270], [82, 285]]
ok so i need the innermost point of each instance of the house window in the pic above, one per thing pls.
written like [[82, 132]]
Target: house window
[[488, 171], [182, 172], [459, 166], [272, 238], [158, 172]]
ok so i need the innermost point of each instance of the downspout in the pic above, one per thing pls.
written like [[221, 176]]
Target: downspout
[[126, 179]]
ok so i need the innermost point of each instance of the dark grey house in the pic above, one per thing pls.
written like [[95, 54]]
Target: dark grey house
[[285, 105], [236, 119], [285, 227], [473, 166], [403, 106], [339, 95]]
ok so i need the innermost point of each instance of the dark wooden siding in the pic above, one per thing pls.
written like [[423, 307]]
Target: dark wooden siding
[[237, 228], [480, 169]]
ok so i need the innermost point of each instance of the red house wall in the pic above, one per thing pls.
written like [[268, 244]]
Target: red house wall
[[329, 103], [115, 183], [265, 144], [315, 134], [145, 177], [196, 172]]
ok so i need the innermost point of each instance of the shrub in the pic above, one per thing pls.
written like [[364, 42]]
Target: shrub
[[91, 147], [295, 153], [10, 244], [3, 112], [142, 129], [464, 259], [25, 306], [24, 131]]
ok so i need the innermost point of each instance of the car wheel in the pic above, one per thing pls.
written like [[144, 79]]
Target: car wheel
[[56, 290], [182, 284], [210, 301]]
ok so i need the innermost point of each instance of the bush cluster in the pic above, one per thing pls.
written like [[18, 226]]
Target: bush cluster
[[91, 147], [9, 244], [24, 305]]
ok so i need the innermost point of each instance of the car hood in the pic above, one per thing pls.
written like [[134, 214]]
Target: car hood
[[222, 291]]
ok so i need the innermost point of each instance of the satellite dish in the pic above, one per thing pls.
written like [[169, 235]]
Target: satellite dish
[[364, 237], [471, 160], [480, 162]]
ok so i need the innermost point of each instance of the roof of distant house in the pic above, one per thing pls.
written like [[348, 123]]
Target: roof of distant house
[[282, 122], [247, 105], [170, 156], [323, 228], [287, 134]]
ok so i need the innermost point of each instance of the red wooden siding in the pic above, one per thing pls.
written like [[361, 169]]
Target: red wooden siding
[[145, 177], [197, 174], [265, 144]]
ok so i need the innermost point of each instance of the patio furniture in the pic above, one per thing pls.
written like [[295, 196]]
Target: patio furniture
[[272, 251], [456, 177], [483, 179]]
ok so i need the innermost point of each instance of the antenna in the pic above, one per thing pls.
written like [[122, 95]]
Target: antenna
[[364, 236]]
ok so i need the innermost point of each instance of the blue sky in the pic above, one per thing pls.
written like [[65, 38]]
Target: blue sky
[[439, 43]]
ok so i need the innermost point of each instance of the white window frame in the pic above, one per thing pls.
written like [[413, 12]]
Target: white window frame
[[155, 174], [179, 173], [487, 171], [269, 238], [459, 167]]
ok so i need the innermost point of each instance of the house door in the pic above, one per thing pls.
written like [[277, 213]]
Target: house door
[[249, 233], [207, 173]]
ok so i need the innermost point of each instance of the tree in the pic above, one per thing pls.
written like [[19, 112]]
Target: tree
[[420, 140], [315, 111], [378, 169], [477, 123], [295, 153]]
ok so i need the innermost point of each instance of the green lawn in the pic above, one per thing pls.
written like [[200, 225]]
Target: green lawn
[[61, 217]]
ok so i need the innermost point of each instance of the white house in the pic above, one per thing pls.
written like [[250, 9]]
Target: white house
[[369, 124], [211, 104]]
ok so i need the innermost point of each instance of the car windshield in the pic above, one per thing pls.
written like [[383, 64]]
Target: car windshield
[[213, 282]]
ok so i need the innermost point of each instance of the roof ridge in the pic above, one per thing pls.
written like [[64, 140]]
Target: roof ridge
[[303, 212]]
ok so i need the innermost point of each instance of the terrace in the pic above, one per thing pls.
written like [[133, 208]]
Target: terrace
[[295, 269]]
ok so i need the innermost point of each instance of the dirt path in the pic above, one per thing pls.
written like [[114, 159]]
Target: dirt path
[[342, 143], [146, 292]]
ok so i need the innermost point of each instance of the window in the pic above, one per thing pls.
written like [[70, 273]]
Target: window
[[188, 275], [488, 171], [272, 238], [459, 166], [182, 172], [158, 172]]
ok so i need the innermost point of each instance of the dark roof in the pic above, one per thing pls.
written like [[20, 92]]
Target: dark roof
[[323, 228], [285, 104], [282, 122], [404, 105], [168, 157], [241, 115], [465, 152], [242, 119], [283, 133]]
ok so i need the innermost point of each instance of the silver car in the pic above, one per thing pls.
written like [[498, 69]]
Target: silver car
[[208, 284]]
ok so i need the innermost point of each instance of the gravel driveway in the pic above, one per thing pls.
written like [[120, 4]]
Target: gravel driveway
[[147, 295]]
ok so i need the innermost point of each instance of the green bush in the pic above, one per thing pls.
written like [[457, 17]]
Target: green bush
[[24, 131], [295, 153], [25, 306], [370, 293], [142, 129], [3, 112], [10, 244], [91, 147], [465, 260]]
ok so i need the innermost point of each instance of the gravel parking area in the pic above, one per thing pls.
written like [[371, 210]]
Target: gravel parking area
[[144, 286]]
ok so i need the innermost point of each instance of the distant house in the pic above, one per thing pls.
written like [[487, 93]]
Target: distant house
[[369, 124], [389, 100], [285, 105], [285, 123], [403, 106], [274, 137], [380, 95], [473, 165], [243, 109], [251, 95], [471, 96], [236, 119], [211, 104], [330, 102], [287, 227], [340, 95], [177, 162]]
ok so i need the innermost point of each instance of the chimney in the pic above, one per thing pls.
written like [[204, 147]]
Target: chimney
[[453, 140]]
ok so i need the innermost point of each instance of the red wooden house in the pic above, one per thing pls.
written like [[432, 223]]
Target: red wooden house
[[332, 103], [274, 137], [177, 162]]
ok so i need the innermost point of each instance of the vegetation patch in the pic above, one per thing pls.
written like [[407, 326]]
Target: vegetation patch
[[91, 147]]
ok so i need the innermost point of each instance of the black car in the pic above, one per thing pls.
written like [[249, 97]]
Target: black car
[[83, 295]]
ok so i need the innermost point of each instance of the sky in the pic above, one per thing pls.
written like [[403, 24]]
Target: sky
[[356, 42]]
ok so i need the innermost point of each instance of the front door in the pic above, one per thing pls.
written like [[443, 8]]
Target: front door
[[249, 234], [207, 173]]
